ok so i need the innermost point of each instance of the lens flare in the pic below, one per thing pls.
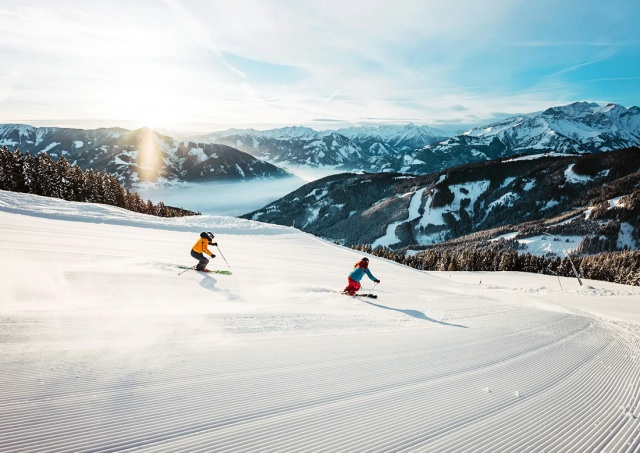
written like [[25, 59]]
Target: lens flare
[[149, 156]]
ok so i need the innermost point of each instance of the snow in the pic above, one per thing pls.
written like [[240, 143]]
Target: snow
[[506, 236], [529, 185], [575, 178], [550, 204], [505, 200], [434, 216], [78, 144], [318, 193], [567, 129], [198, 153], [312, 215], [390, 236], [615, 202], [104, 347], [240, 171], [625, 237], [534, 157], [507, 181], [132, 155], [587, 212], [414, 206], [546, 245], [50, 146], [391, 133]]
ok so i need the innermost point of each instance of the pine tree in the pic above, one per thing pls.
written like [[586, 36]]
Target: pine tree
[[76, 183], [47, 178], [65, 175], [149, 208], [6, 167], [93, 187], [15, 173]]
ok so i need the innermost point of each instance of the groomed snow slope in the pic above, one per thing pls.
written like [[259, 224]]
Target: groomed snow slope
[[104, 347]]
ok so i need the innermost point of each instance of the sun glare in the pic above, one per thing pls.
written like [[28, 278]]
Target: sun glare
[[146, 96], [149, 157]]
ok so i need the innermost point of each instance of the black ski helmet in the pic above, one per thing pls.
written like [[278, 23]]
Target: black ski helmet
[[210, 235], [204, 235]]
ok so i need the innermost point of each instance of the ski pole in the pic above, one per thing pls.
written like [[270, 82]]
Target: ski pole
[[190, 269], [374, 285], [225, 260]]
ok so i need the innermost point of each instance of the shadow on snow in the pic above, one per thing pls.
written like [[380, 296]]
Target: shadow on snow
[[415, 314]]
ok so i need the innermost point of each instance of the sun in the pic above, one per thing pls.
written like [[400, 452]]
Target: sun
[[145, 97]]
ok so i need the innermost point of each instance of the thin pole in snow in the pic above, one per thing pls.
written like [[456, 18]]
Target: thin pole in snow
[[225, 260], [192, 268], [575, 272]]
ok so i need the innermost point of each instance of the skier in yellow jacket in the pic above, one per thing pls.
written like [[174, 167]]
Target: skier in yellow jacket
[[200, 248]]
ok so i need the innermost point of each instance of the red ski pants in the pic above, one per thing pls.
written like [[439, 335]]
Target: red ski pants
[[352, 287]]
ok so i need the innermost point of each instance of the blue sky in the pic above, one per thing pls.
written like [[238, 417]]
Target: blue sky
[[208, 65]]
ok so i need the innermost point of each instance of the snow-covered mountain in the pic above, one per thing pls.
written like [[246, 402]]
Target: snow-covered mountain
[[377, 148], [575, 128], [399, 211], [580, 127], [140, 155], [105, 348], [401, 138]]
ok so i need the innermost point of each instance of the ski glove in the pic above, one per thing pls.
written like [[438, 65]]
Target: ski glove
[[215, 244], [377, 281], [212, 256]]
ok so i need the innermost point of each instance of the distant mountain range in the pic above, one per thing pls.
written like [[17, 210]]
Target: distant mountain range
[[580, 127], [146, 155], [141, 155], [594, 196], [377, 148]]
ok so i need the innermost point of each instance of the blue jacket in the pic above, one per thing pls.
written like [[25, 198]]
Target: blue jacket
[[359, 272]]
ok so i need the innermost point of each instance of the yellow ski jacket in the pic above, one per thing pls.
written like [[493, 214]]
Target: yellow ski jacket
[[201, 246]]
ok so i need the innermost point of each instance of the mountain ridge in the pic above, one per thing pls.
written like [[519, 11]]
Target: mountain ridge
[[576, 128], [140, 155], [580, 127], [403, 211]]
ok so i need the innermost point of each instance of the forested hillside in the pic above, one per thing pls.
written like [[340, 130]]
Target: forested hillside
[[41, 175], [594, 196]]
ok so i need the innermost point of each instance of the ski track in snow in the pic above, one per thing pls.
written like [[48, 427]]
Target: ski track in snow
[[103, 347]]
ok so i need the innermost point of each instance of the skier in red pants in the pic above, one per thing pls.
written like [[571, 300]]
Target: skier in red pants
[[361, 268]]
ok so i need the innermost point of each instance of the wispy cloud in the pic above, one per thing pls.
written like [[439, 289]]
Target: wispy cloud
[[575, 67], [275, 61]]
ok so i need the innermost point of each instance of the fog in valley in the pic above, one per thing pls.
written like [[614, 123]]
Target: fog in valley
[[221, 198], [232, 198]]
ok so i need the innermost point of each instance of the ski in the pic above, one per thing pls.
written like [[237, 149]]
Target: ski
[[370, 296], [215, 271], [211, 271]]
